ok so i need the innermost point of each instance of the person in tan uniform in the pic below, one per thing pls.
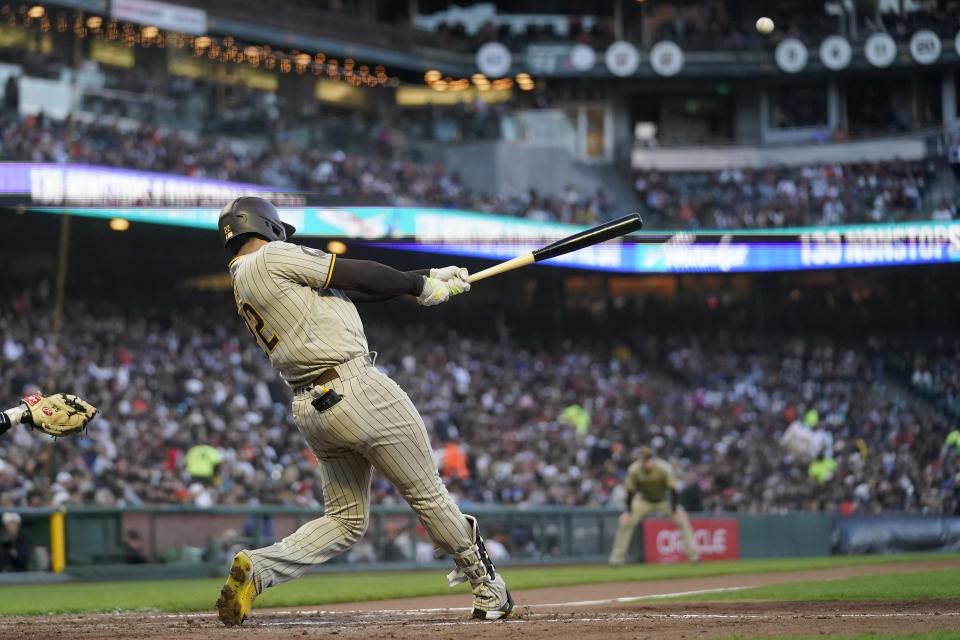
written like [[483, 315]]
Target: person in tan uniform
[[298, 304], [651, 488]]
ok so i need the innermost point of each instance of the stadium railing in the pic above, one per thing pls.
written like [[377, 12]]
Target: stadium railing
[[181, 540]]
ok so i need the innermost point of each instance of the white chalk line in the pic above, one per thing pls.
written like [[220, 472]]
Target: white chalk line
[[367, 617], [606, 619], [416, 612]]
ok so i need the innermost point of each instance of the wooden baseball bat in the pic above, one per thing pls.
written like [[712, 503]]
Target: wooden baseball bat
[[592, 236]]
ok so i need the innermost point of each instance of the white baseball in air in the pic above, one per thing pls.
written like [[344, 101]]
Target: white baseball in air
[[764, 25]]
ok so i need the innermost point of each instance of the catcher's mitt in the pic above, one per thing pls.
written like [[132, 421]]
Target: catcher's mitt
[[61, 414]]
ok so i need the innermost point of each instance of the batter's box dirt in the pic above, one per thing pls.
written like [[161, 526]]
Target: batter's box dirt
[[560, 613]]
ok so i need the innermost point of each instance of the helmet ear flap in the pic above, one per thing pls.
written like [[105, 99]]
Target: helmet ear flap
[[278, 232]]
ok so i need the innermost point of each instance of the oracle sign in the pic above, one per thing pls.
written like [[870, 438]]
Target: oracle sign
[[715, 538]]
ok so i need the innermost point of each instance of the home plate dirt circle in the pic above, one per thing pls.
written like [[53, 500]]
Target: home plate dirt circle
[[617, 610]]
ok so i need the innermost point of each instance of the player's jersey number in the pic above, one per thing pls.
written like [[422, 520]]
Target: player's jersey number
[[255, 324]]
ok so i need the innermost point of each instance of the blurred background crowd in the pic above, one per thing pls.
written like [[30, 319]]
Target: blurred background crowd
[[192, 414], [799, 196], [727, 199]]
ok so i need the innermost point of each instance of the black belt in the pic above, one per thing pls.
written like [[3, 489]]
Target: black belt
[[327, 376]]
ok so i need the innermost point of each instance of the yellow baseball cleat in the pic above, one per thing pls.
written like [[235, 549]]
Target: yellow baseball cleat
[[238, 593]]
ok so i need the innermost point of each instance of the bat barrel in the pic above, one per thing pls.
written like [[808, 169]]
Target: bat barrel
[[595, 235], [600, 233]]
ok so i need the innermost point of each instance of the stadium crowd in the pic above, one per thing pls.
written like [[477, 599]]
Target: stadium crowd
[[192, 413], [373, 179], [794, 196], [780, 197], [936, 372]]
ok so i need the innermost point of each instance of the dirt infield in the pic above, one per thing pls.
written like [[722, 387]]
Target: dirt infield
[[617, 610]]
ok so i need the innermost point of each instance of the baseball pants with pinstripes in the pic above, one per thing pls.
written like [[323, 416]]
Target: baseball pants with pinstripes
[[374, 425]]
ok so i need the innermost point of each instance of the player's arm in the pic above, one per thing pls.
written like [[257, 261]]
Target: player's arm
[[12, 417], [671, 482], [672, 498], [356, 295], [631, 488], [361, 280], [369, 281]]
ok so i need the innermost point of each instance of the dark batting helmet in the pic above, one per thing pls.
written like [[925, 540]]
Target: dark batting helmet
[[251, 216]]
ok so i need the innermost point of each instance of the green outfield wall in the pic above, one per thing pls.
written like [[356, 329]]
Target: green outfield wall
[[180, 541]]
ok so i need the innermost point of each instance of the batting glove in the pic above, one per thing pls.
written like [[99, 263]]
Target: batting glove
[[434, 292], [449, 272], [457, 286], [438, 291]]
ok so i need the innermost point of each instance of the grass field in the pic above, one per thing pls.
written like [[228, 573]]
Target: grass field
[[313, 590], [924, 585]]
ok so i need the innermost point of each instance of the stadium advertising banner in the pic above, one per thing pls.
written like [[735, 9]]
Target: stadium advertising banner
[[715, 538], [501, 237], [748, 251], [52, 184]]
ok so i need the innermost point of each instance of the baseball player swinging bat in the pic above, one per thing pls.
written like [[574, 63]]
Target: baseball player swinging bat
[[595, 235]]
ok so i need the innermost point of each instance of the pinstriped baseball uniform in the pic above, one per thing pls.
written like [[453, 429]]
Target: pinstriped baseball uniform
[[305, 328], [650, 496]]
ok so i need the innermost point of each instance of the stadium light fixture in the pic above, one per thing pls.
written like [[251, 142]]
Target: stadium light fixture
[[149, 32], [36, 12], [336, 247], [119, 224]]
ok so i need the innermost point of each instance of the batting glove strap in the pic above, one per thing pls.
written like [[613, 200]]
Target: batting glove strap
[[434, 292]]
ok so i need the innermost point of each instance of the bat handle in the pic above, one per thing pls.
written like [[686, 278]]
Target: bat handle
[[509, 265]]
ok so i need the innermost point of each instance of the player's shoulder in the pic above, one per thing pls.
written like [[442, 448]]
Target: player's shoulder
[[279, 249], [663, 465]]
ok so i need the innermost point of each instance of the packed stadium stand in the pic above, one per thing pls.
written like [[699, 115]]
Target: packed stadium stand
[[539, 424], [729, 199]]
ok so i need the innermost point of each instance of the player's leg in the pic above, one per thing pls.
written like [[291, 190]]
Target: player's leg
[[400, 448], [345, 477], [627, 525], [682, 520]]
